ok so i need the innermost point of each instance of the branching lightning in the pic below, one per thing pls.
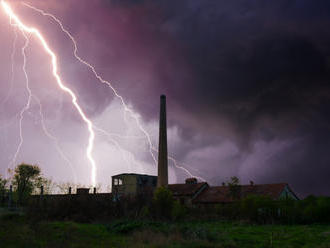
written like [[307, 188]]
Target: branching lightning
[[127, 156], [52, 137], [180, 166], [31, 30], [75, 52], [27, 106], [12, 76], [126, 108], [28, 103]]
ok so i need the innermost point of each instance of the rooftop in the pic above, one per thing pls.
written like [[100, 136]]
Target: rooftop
[[133, 174], [221, 194], [185, 189]]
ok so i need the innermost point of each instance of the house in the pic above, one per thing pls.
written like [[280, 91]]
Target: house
[[221, 194], [188, 191]]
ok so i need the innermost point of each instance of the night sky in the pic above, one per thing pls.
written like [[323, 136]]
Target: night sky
[[247, 85]]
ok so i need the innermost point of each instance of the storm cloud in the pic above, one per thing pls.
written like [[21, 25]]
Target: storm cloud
[[247, 82]]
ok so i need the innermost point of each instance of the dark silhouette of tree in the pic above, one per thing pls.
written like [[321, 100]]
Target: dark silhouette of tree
[[163, 202], [25, 180], [3, 189], [234, 188], [3, 183]]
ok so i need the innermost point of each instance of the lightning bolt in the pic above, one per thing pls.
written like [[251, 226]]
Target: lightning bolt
[[12, 77], [32, 30], [36, 32], [28, 103], [181, 166], [81, 60], [126, 155], [12, 59], [52, 137], [125, 106], [27, 106]]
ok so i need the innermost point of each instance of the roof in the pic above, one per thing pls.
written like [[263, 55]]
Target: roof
[[186, 189], [132, 174], [221, 194]]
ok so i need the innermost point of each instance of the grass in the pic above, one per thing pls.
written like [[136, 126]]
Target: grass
[[16, 231]]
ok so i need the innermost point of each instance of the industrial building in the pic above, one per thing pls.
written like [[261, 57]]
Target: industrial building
[[189, 193], [133, 184], [192, 191]]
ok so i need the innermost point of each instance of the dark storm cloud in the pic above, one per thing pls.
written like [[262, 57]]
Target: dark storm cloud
[[241, 59], [245, 62], [240, 54], [251, 73]]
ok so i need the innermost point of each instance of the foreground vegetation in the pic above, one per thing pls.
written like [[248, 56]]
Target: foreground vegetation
[[17, 231], [155, 220]]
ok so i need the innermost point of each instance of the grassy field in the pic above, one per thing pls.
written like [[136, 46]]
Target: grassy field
[[16, 231]]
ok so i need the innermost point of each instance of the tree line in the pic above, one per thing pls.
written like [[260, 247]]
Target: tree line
[[27, 179], [24, 181]]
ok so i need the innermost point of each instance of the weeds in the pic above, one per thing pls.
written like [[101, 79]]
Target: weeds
[[17, 231]]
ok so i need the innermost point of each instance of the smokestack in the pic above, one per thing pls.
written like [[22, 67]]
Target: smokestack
[[162, 179]]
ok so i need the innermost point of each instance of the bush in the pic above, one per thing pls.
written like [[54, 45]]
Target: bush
[[162, 204], [178, 211], [259, 209], [315, 209]]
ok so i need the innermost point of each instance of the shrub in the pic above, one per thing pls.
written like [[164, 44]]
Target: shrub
[[162, 204], [315, 209], [258, 209], [178, 211]]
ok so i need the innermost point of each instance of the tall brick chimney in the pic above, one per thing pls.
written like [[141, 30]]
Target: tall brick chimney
[[162, 179]]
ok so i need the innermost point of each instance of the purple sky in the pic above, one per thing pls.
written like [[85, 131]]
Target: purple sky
[[247, 85]]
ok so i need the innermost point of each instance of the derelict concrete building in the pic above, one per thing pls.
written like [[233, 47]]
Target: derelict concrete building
[[191, 192], [131, 183]]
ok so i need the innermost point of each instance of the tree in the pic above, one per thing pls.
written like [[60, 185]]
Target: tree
[[63, 187], [234, 188], [3, 183], [25, 180], [163, 202], [47, 184]]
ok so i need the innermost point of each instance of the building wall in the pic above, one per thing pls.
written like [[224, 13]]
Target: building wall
[[133, 184], [146, 184], [127, 187]]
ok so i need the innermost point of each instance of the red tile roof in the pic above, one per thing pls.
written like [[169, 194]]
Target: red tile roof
[[186, 189], [221, 194]]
